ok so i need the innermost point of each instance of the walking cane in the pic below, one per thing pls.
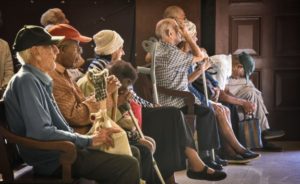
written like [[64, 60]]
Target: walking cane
[[207, 101], [126, 107], [115, 106]]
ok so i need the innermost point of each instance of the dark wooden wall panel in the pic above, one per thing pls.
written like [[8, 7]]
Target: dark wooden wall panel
[[244, 1], [287, 89], [88, 16], [276, 28], [256, 79], [287, 35], [245, 35]]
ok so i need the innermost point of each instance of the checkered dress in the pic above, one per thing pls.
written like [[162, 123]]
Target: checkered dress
[[99, 80], [171, 68]]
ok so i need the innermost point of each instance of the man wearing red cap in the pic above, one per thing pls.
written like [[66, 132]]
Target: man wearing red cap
[[31, 111], [75, 108]]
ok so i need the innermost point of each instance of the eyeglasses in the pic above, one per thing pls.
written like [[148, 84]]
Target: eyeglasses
[[78, 48]]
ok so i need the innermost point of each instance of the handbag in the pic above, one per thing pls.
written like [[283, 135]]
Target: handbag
[[250, 132], [121, 144], [101, 120]]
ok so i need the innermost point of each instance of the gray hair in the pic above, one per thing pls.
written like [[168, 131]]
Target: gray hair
[[24, 56]]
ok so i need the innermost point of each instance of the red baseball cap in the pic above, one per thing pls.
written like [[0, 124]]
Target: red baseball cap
[[69, 32]]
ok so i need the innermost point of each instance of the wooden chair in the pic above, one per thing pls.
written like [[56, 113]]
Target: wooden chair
[[14, 170], [150, 46], [189, 99]]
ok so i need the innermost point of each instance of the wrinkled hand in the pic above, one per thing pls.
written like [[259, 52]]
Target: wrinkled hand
[[156, 105], [215, 98], [249, 107], [148, 144], [113, 84], [104, 137], [182, 28], [206, 64], [124, 97]]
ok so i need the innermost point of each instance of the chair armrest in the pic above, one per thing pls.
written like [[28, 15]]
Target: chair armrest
[[147, 65], [67, 149], [189, 98]]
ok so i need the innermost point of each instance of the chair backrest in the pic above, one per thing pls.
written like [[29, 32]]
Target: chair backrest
[[150, 46], [12, 167], [9, 154]]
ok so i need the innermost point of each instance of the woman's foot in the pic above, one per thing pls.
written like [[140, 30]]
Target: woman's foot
[[220, 161], [206, 174], [212, 164], [236, 159], [250, 155]]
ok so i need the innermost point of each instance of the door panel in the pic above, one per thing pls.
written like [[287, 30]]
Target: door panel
[[269, 30]]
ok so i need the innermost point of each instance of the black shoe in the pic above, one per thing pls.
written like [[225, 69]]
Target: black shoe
[[272, 134], [250, 155], [212, 164], [203, 175], [236, 159], [221, 161], [268, 146]]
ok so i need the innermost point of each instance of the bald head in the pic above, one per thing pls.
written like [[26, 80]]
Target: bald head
[[164, 27], [174, 12], [54, 16]]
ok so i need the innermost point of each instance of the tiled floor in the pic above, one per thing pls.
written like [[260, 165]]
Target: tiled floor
[[271, 168]]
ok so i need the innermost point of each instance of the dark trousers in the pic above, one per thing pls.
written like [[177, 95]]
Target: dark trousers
[[167, 127], [206, 125], [106, 168], [146, 165]]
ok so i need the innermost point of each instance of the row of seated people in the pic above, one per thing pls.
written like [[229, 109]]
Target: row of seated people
[[72, 106], [232, 87]]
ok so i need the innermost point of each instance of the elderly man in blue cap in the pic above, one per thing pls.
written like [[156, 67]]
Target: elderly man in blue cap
[[32, 111]]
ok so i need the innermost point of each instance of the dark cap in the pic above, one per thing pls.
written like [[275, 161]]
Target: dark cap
[[248, 64], [31, 35]]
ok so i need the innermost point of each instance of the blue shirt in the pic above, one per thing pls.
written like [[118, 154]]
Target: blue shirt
[[198, 94], [32, 112]]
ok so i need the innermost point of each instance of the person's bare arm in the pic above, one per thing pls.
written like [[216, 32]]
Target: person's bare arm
[[248, 106], [148, 57], [195, 49], [198, 71], [103, 137]]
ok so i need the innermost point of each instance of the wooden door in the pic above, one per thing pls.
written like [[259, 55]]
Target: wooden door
[[270, 31]]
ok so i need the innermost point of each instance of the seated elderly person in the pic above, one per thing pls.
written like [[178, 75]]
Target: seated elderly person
[[156, 121], [32, 111], [56, 16], [172, 72], [6, 65], [232, 150], [75, 107], [127, 77], [241, 87], [53, 16]]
